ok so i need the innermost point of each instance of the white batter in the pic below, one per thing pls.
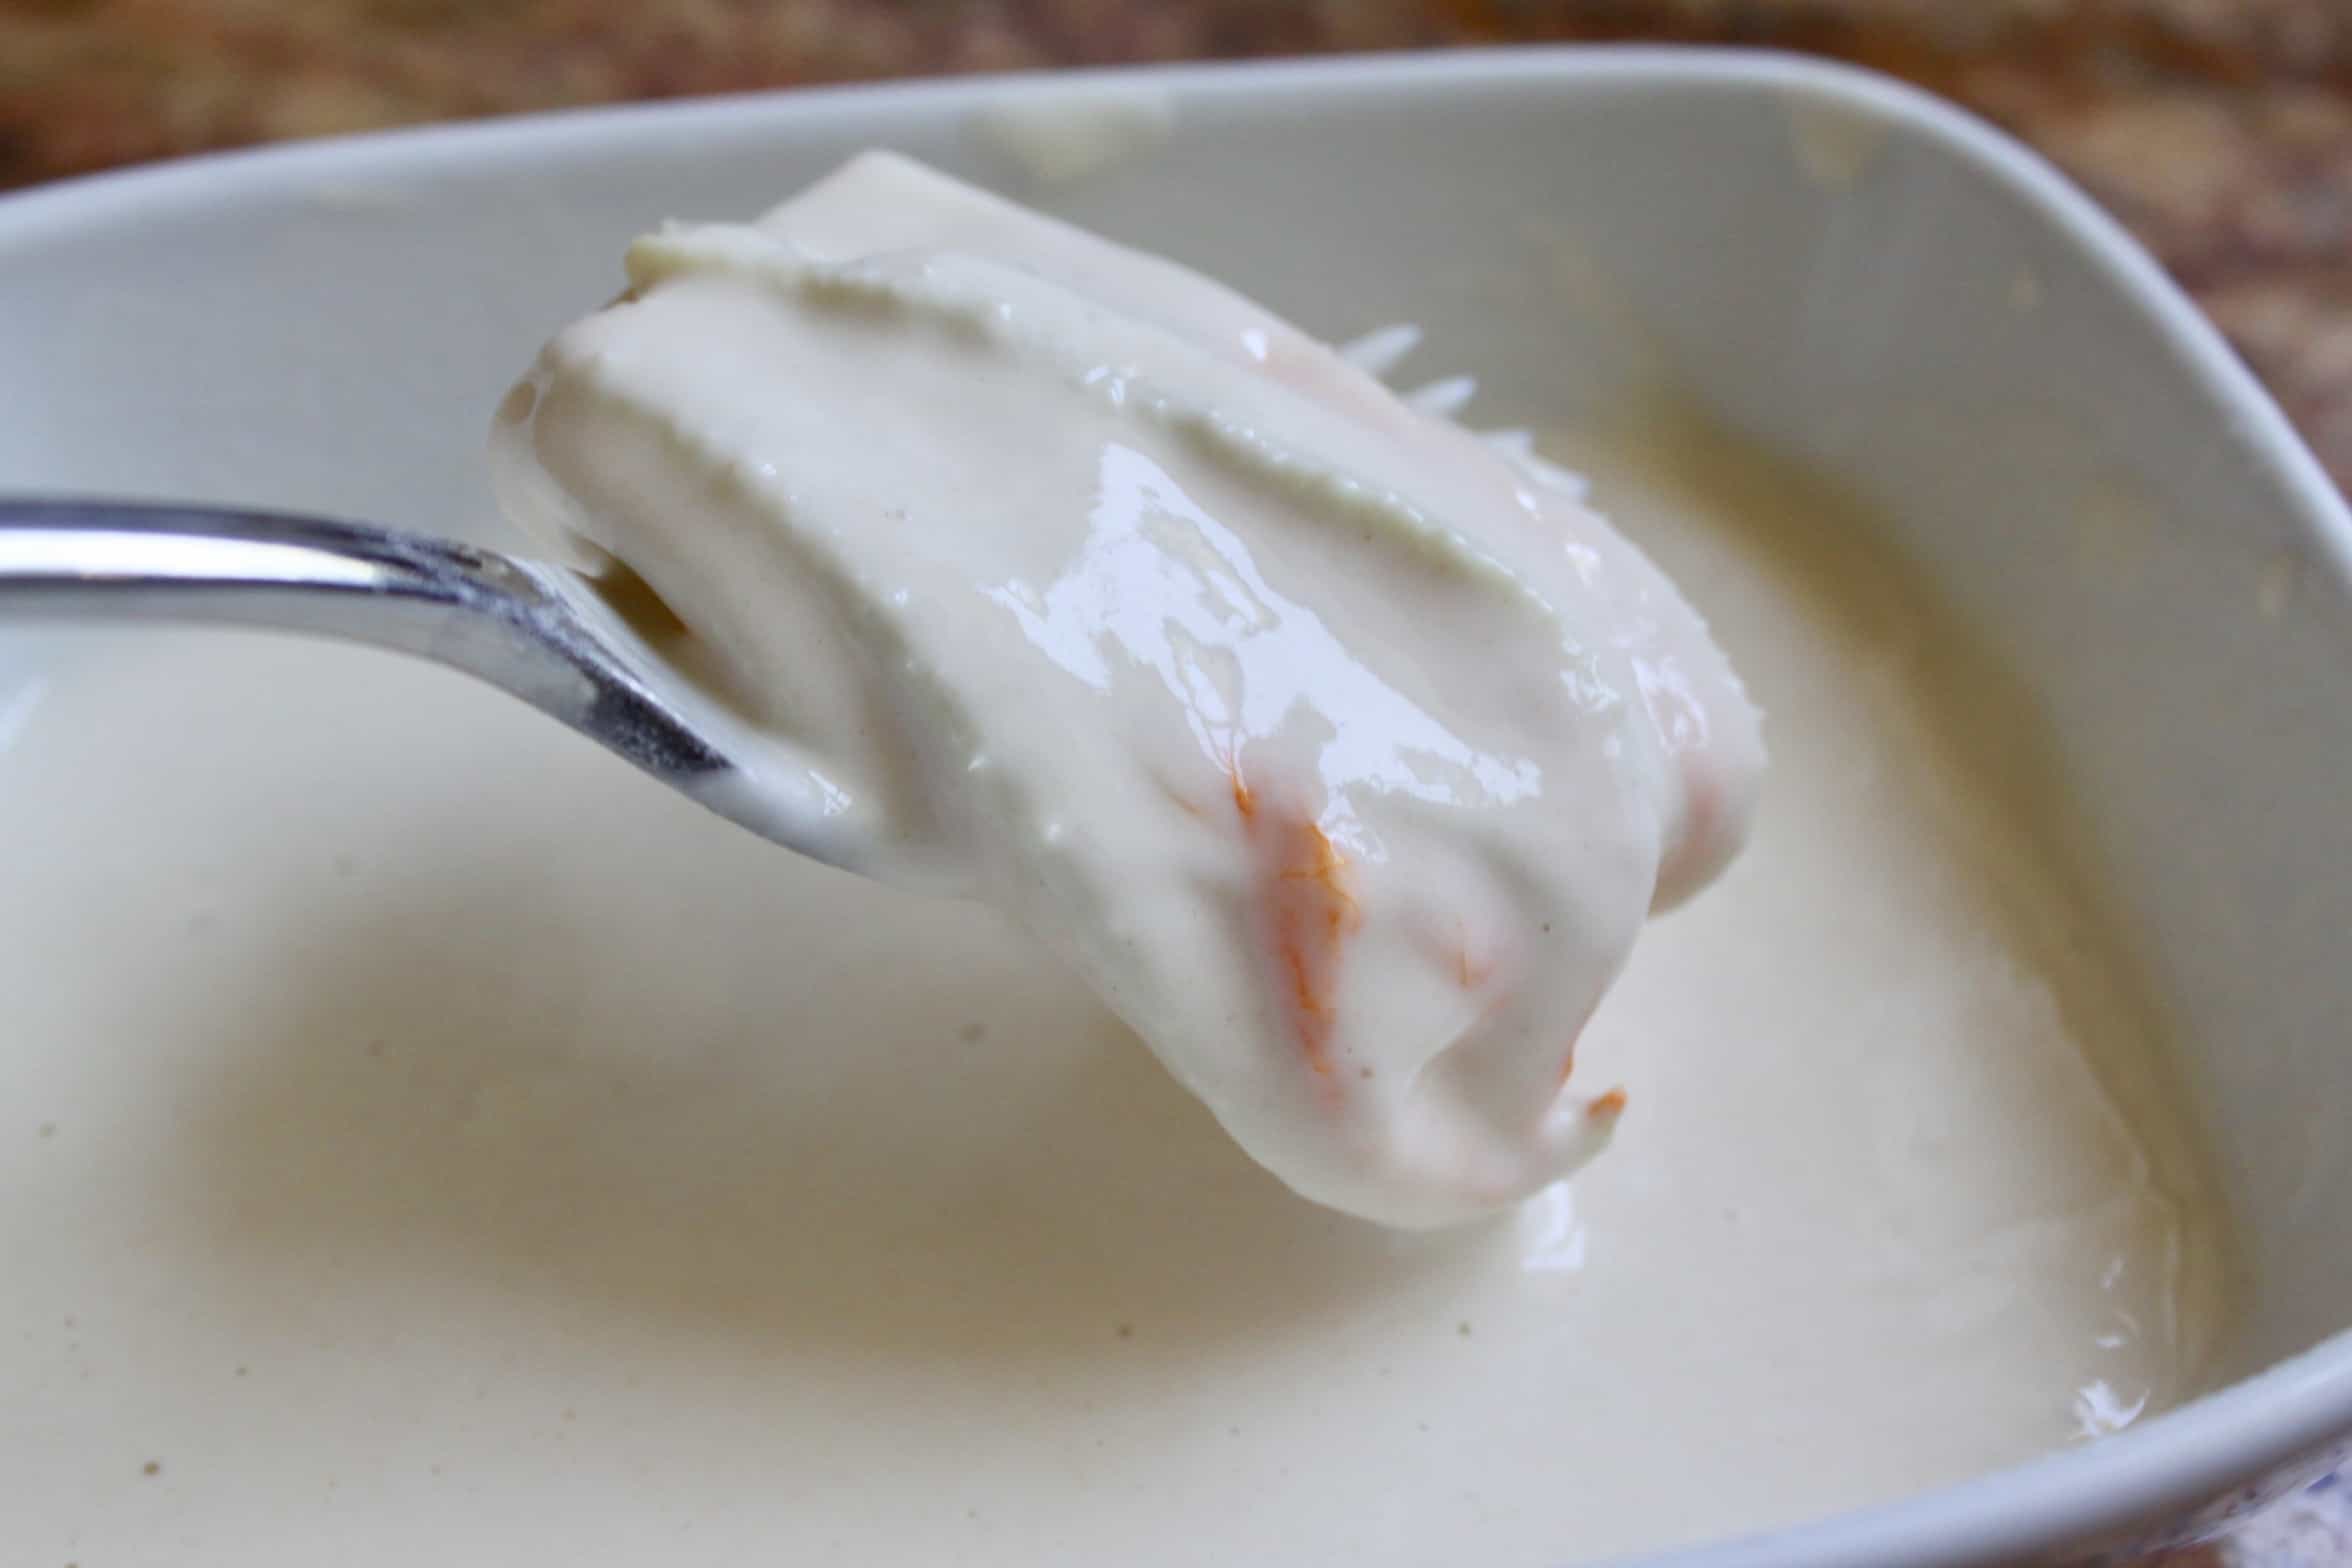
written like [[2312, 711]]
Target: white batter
[[1341, 754], [425, 1136]]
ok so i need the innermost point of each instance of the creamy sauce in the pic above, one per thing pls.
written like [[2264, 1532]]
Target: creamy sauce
[[425, 1135], [1342, 755]]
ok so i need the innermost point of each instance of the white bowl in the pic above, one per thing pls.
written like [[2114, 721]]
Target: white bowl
[[1849, 271]]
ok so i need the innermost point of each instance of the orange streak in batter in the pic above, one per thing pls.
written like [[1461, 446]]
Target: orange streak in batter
[[1314, 911], [1608, 1105], [1245, 800], [1309, 898]]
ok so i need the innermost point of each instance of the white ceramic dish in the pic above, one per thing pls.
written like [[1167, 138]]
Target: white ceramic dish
[[1837, 266]]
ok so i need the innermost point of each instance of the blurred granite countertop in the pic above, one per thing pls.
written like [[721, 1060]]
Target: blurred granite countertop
[[2220, 131]]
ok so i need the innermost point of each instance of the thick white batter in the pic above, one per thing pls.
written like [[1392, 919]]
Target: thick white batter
[[1341, 754], [495, 1155]]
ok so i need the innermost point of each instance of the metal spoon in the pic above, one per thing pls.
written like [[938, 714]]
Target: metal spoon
[[537, 631]]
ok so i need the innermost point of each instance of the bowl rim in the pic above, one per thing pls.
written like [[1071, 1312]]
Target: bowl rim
[[2179, 1459]]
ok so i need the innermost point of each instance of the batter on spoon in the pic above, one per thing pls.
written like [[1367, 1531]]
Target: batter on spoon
[[1341, 753]]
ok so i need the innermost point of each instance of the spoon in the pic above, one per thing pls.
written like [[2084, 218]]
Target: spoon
[[537, 631], [540, 632]]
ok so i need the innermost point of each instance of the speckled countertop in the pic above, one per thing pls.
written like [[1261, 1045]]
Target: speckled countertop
[[2219, 130]]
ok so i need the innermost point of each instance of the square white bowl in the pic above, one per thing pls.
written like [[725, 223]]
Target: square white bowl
[[1848, 271]]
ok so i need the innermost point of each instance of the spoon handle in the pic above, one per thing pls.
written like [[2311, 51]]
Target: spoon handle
[[478, 611]]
